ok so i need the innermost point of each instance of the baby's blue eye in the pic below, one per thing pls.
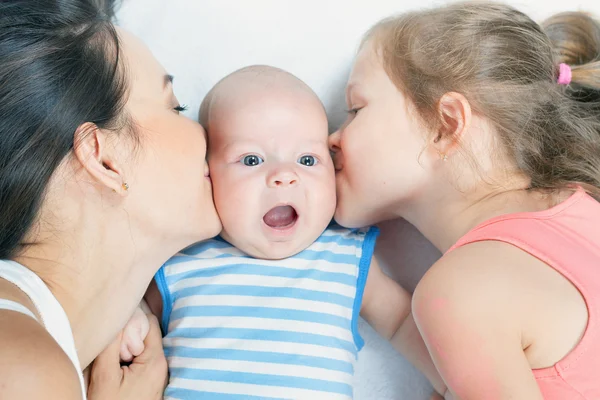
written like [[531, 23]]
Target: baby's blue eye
[[307, 161], [252, 160]]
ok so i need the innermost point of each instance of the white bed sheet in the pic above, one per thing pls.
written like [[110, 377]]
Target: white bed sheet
[[200, 41]]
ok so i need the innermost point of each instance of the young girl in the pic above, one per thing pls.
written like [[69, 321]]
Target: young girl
[[482, 129]]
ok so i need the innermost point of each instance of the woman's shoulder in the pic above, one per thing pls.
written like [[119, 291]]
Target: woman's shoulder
[[33, 365]]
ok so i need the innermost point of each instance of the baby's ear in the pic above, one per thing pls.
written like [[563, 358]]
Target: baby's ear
[[454, 112]]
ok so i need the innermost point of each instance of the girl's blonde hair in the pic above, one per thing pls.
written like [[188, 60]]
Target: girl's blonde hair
[[507, 66]]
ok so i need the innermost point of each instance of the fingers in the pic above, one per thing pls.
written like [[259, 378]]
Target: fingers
[[144, 329], [144, 378], [135, 347], [134, 334], [106, 367], [125, 354], [152, 364], [153, 342]]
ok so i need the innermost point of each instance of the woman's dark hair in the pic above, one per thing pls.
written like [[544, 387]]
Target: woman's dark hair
[[59, 68]]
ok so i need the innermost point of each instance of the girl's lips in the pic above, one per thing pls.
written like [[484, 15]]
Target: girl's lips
[[337, 164]]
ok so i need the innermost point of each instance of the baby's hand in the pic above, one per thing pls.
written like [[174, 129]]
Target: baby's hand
[[134, 334]]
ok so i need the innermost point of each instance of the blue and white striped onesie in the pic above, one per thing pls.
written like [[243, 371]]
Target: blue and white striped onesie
[[238, 327]]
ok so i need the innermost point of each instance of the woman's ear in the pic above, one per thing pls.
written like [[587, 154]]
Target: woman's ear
[[92, 152], [454, 112]]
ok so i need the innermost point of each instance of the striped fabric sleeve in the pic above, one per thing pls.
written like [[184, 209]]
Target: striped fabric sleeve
[[165, 295], [368, 248]]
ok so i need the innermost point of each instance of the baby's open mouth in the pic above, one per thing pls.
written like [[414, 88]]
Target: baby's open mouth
[[281, 217]]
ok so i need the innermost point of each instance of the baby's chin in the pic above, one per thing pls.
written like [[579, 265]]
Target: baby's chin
[[272, 250], [259, 246]]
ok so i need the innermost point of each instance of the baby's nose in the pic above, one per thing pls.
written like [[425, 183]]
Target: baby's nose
[[283, 178]]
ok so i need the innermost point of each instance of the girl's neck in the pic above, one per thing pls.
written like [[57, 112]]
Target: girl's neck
[[444, 219]]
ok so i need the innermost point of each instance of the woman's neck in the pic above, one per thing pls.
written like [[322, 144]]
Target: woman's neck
[[97, 266]]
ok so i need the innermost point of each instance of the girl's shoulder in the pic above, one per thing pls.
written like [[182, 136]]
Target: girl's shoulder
[[483, 280]]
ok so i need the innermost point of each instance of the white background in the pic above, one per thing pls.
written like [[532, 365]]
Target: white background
[[200, 41]]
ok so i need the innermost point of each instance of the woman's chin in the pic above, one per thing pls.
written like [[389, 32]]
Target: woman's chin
[[212, 227], [206, 225]]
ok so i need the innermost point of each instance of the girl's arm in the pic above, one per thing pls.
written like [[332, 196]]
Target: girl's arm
[[471, 323], [386, 306]]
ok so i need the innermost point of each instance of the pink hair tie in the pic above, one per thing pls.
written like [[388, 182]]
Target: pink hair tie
[[564, 74]]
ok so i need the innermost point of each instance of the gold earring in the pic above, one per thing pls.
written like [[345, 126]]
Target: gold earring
[[125, 186], [443, 156]]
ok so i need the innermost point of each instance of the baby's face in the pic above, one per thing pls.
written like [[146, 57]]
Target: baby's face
[[273, 177]]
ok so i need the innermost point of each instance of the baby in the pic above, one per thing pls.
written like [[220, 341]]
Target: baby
[[270, 308]]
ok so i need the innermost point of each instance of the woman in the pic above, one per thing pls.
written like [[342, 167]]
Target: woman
[[101, 180], [482, 129]]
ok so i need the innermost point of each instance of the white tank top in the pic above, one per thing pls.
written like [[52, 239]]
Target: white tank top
[[54, 318]]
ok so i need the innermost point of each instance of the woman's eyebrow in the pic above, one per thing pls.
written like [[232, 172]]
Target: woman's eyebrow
[[167, 79]]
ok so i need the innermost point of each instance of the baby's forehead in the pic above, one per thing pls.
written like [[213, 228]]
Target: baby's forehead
[[270, 105], [254, 83], [263, 103], [249, 90], [277, 124]]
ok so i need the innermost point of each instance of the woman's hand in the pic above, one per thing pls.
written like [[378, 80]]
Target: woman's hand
[[144, 379]]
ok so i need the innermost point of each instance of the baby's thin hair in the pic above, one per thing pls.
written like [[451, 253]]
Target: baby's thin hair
[[507, 66], [266, 74]]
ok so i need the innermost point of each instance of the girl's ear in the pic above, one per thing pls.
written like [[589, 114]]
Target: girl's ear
[[455, 116]]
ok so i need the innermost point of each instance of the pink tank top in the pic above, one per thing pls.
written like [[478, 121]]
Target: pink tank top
[[567, 238]]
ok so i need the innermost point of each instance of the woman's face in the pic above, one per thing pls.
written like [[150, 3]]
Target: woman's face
[[377, 151], [170, 193]]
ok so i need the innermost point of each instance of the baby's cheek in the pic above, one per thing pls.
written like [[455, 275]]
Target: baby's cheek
[[230, 198], [322, 194]]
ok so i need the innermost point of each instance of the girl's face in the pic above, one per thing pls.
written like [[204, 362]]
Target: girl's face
[[378, 151]]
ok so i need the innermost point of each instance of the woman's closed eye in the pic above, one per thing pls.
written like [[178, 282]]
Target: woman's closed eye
[[180, 108]]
